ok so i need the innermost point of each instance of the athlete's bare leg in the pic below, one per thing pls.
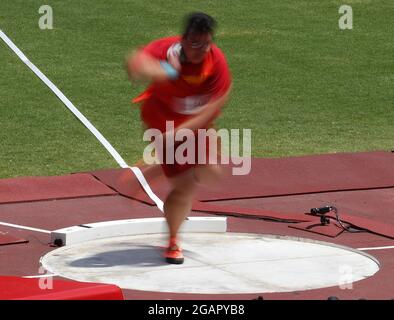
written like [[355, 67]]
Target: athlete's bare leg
[[179, 202], [208, 175]]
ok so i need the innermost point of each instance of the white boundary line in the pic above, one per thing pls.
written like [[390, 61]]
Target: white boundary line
[[64, 99], [140, 176], [50, 275], [376, 248], [84, 120], [24, 227]]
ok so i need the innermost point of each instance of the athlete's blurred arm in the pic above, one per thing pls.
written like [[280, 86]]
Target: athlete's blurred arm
[[207, 113], [142, 66]]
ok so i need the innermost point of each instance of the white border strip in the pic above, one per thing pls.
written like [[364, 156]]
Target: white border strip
[[140, 176], [118, 228], [49, 275], [376, 248], [84, 120], [23, 227], [65, 100]]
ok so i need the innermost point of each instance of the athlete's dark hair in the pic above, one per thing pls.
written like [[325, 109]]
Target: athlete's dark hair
[[199, 23]]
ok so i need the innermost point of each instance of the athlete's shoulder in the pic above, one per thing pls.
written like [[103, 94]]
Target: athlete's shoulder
[[218, 57], [216, 50], [158, 48]]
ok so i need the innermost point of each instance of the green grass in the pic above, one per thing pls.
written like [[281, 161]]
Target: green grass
[[302, 85]]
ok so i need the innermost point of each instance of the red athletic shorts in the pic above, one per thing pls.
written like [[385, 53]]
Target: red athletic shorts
[[154, 115]]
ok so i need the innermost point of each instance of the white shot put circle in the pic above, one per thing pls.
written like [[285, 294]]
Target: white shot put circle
[[215, 263]]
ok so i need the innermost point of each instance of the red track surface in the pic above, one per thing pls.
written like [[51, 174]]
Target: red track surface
[[360, 185]]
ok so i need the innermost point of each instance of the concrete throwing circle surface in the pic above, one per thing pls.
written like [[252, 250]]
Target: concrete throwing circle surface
[[215, 263]]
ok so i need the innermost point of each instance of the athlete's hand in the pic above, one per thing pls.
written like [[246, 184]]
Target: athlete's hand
[[173, 56], [143, 67], [207, 113]]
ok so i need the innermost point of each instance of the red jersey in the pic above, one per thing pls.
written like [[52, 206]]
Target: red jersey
[[179, 99]]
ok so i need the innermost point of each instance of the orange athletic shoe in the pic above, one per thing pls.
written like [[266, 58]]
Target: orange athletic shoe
[[173, 253]]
